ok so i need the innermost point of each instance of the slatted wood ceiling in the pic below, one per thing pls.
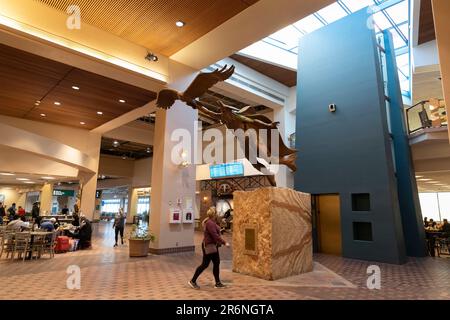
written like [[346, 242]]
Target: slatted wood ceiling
[[426, 22], [26, 78], [151, 23], [282, 75]]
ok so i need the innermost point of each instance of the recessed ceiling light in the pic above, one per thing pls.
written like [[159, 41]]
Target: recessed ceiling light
[[122, 101], [43, 115], [116, 143], [180, 24], [75, 88], [124, 157], [29, 182], [419, 177], [148, 150], [82, 123], [6, 174], [57, 103], [424, 179], [22, 179], [99, 113], [48, 178]]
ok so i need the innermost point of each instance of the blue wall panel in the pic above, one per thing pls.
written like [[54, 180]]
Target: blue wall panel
[[348, 151]]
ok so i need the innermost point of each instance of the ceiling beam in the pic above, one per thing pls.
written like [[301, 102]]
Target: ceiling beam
[[255, 23], [126, 118]]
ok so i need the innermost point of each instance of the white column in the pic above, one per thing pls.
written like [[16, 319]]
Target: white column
[[170, 182]]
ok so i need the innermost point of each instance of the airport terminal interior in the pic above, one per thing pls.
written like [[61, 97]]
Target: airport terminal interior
[[311, 134]]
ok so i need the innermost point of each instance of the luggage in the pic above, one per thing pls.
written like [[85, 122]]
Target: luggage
[[62, 244]]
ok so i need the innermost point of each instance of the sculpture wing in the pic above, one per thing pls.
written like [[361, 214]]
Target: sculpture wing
[[206, 80]]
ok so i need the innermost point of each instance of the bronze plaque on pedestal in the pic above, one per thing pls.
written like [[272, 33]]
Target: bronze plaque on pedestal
[[250, 237]]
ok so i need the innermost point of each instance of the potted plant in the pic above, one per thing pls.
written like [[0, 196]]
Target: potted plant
[[140, 239]]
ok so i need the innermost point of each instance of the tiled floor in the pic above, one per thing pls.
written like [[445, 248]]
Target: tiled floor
[[108, 273]]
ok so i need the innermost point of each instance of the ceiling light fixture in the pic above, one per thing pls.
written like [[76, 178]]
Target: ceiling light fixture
[[48, 178], [148, 150], [82, 123], [99, 113], [22, 179], [75, 88], [56, 103], [180, 24], [122, 101], [419, 177], [151, 57], [6, 174], [29, 182], [424, 179], [124, 157], [116, 143], [43, 115]]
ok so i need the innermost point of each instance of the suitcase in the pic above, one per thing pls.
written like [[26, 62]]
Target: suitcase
[[62, 244]]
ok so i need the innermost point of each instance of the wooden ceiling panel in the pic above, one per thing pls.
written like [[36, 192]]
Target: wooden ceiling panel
[[27, 78], [426, 22], [151, 23], [282, 75]]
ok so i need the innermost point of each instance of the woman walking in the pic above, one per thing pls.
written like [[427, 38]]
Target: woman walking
[[210, 248], [119, 224]]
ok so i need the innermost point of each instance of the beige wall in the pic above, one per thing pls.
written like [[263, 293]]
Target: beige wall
[[142, 174], [12, 196], [115, 166]]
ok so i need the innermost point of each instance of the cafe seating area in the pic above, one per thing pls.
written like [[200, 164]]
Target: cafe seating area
[[28, 245]]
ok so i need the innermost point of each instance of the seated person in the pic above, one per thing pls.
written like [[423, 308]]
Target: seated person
[[432, 224], [446, 228], [18, 224], [21, 212], [76, 220], [84, 233], [65, 211], [48, 225]]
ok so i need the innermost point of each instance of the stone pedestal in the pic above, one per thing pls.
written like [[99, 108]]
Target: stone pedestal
[[272, 235]]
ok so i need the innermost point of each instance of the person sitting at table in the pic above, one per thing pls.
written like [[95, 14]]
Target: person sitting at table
[[426, 222], [76, 219], [21, 212], [2, 212], [432, 224], [65, 211], [48, 225], [84, 233], [18, 224], [446, 228]]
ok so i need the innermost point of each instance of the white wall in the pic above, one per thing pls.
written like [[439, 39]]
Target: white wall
[[425, 56]]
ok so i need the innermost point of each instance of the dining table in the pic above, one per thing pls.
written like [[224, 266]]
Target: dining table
[[33, 234]]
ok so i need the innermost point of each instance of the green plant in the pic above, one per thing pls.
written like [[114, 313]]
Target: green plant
[[141, 233]]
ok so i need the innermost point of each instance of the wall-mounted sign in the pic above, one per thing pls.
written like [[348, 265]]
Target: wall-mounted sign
[[226, 170], [188, 216], [175, 215], [63, 193]]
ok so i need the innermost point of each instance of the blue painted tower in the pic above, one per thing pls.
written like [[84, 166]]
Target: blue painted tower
[[351, 139]]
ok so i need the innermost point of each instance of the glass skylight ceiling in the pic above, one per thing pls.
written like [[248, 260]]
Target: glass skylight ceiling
[[282, 47]]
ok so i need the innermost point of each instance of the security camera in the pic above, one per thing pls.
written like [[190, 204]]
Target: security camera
[[151, 57], [332, 107]]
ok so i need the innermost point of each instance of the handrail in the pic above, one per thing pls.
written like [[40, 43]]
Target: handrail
[[421, 102]]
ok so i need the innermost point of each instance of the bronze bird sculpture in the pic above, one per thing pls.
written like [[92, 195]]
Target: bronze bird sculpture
[[233, 118], [203, 81]]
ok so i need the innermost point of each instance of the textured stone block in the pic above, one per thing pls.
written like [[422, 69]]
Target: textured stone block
[[282, 220]]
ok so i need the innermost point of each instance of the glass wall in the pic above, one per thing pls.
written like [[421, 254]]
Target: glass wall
[[111, 205], [435, 205], [143, 205]]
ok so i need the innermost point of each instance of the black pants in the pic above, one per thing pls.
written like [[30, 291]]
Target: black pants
[[117, 230], [207, 258]]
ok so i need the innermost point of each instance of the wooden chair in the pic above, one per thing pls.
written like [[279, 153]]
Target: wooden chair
[[49, 245], [37, 246], [21, 244], [7, 243]]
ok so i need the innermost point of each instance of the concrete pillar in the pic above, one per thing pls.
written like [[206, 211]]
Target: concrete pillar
[[441, 13], [172, 183], [132, 204], [46, 198], [89, 188]]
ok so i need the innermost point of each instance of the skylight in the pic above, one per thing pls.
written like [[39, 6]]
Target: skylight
[[281, 48]]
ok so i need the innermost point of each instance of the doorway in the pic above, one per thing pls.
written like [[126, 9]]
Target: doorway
[[329, 224]]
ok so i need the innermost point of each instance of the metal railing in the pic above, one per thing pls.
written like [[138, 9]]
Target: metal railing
[[426, 114]]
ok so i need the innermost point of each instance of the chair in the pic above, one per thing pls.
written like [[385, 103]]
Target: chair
[[49, 245], [38, 245], [21, 244], [7, 243], [443, 246]]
